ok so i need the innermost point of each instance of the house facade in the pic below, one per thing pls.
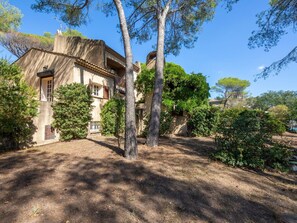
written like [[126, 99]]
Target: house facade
[[73, 60]]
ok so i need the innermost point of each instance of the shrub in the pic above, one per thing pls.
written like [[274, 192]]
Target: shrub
[[227, 117], [203, 121], [18, 107], [113, 117], [244, 138], [280, 112], [72, 111], [165, 123]]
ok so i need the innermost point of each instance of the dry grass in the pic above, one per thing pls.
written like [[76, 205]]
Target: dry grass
[[89, 181]]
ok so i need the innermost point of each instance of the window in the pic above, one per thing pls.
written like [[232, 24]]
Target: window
[[94, 126], [46, 90], [100, 91], [96, 90], [49, 90], [49, 132]]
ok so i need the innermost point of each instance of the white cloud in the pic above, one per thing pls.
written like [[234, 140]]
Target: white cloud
[[261, 67]]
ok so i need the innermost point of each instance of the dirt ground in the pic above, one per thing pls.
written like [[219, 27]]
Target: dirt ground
[[89, 181]]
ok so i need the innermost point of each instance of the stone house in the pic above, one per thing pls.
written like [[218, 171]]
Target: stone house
[[73, 60]]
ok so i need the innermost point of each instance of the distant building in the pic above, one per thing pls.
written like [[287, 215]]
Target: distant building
[[73, 60], [215, 102]]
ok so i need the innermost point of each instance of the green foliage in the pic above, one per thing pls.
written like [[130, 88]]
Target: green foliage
[[203, 121], [275, 22], [73, 32], [72, 12], [45, 39], [280, 112], [244, 138], [145, 81], [143, 22], [274, 98], [227, 118], [184, 21], [72, 111], [231, 88], [47, 35], [17, 108], [10, 17], [113, 117], [19, 43], [232, 84], [165, 123], [181, 91]]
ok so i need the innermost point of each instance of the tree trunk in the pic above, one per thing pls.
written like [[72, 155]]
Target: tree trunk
[[130, 120], [154, 124]]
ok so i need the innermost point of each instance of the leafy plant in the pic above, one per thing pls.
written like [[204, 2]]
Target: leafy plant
[[113, 117], [281, 113], [18, 107], [203, 121], [182, 91], [72, 111], [274, 98], [10, 17], [244, 138], [165, 123]]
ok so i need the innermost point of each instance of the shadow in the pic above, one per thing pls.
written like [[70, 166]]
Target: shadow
[[170, 185], [190, 146], [110, 145]]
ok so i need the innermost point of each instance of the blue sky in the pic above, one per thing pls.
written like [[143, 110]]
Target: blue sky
[[220, 51]]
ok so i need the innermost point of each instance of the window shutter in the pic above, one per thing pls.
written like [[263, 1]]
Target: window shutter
[[105, 92]]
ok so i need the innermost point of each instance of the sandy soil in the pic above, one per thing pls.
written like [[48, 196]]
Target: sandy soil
[[89, 181]]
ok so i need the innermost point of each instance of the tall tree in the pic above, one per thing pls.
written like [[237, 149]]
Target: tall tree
[[279, 19], [231, 87], [19, 43], [10, 17], [74, 13], [273, 98], [176, 23]]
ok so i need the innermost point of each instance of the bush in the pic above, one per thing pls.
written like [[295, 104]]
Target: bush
[[165, 123], [280, 112], [113, 117], [244, 138], [18, 107], [203, 121], [72, 111]]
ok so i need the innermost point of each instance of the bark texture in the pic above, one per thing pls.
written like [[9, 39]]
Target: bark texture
[[131, 151], [154, 124]]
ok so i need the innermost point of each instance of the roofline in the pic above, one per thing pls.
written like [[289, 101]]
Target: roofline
[[93, 67], [78, 61], [119, 56], [90, 65], [46, 51]]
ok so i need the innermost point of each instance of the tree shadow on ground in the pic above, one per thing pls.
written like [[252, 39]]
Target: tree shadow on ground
[[38, 186], [204, 148], [109, 144]]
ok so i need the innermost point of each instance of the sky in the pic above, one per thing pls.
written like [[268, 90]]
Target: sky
[[221, 50]]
